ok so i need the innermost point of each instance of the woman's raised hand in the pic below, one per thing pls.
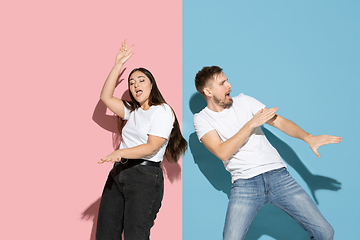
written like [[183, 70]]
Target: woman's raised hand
[[124, 53]]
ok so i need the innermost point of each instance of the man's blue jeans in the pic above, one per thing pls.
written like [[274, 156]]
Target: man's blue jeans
[[280, 189]]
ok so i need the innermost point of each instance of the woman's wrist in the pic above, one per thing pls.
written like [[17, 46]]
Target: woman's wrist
[[118, 66]]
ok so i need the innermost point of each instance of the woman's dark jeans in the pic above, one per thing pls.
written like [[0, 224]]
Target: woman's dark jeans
[[130, 201]]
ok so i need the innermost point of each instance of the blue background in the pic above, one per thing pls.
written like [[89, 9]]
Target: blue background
[[301, 56]]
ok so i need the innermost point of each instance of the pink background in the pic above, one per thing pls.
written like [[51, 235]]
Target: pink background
[[55, 56]]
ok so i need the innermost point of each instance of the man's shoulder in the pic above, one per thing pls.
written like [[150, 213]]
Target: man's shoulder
[[241, 97], [201, 114]]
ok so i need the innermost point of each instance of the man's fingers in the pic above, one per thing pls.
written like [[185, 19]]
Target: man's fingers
[[336, 139], [316, 152], [331, 139], [274, 109], [271, 110], [270, 113]]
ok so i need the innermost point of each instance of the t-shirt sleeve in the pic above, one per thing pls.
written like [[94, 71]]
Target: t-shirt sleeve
[[162, 122], [254, 104], [126, 113], [201, 126]]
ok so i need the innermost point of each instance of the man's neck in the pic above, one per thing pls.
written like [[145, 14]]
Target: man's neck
[[215, 107]]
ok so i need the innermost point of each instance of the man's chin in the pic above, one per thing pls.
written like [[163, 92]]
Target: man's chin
[[229, 103]]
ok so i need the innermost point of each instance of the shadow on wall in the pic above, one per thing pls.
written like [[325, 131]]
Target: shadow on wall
[[114, 124], [270, 220]]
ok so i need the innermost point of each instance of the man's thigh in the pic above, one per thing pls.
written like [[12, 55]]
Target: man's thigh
[[246, 199]]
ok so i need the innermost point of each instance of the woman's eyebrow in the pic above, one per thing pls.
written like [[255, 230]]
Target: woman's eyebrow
[[137, 77]]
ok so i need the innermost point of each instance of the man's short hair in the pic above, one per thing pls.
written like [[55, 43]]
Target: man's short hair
[[204, 76]]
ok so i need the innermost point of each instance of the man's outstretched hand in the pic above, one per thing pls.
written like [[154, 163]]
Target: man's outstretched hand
[[317, 141]]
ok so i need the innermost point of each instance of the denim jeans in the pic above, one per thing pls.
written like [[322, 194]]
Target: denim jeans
[[130, 201], [280, 189]]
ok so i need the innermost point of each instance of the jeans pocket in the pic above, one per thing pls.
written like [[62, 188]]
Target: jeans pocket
[[279, 170]]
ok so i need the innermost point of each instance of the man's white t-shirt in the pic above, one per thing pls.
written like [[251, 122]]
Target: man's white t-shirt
[[256, 155], [157, 121]]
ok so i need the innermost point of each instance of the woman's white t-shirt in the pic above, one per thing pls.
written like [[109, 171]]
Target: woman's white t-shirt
[[157, 121]]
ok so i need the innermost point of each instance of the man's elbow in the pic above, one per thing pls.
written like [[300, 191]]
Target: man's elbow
[[276, 122], [222, 156], [220, 153], [224, 159], [273, 120]]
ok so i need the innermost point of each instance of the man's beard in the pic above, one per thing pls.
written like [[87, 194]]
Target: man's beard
[[224, 104]]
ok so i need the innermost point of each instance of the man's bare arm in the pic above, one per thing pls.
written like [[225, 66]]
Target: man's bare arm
[[293, 130]]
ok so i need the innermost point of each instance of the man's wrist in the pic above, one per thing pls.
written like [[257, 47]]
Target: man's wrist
[[307, 137], [249, 126]]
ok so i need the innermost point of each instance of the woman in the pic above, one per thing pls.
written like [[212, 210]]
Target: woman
[[134, 189]]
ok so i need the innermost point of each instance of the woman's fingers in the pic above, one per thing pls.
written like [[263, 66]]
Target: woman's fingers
[[105, 159], [122, 47], [109, 158], [131, 48], [101, 161], [124, 53]]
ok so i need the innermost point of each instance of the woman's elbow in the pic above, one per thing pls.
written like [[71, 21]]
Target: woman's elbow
[[153, 149], [103, 97]]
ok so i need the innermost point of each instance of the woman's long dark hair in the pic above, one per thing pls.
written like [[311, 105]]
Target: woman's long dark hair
[[177, 144]]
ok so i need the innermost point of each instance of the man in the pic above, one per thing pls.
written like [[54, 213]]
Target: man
[[230, 129]]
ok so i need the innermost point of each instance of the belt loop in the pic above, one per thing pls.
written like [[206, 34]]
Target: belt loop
[[126, 160]]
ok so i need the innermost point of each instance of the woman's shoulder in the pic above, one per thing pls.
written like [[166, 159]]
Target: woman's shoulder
[[162, 106]]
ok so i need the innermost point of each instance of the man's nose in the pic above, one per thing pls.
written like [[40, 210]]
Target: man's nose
[[229, 85]]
